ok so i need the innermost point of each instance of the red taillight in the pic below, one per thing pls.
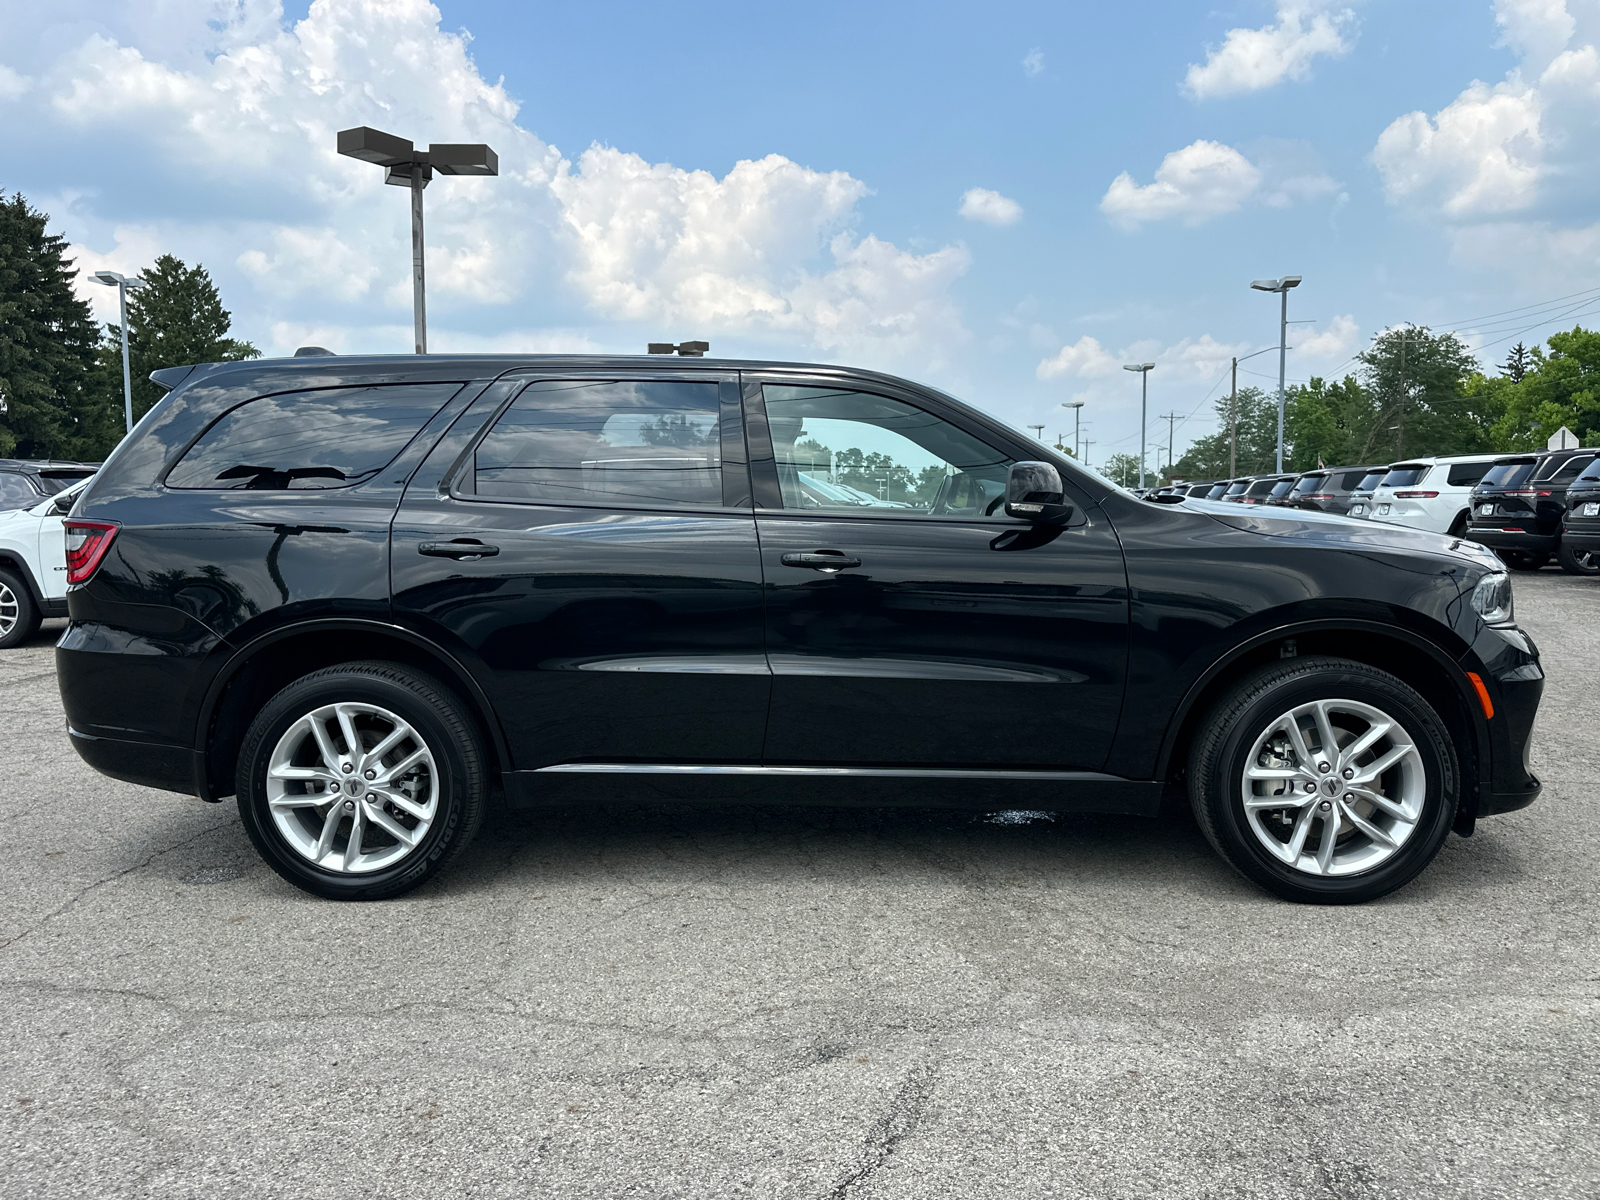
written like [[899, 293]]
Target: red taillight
[[87, 543], [1319, 496], [1415, 495]]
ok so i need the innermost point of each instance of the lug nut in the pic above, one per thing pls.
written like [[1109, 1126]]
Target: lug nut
[[1323, 767], [349, 806], [1326, 805], [1310, 787], [1349, 797], [1348, 773], [371, 774], [347, 768]]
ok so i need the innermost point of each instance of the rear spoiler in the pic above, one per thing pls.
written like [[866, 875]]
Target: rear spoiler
[[168, 378]]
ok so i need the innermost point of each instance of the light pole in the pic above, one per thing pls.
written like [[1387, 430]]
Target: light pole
[[1144, 370], [1077, 415], [1038, 431], [1281, 286], [406, 166], [122, 283]]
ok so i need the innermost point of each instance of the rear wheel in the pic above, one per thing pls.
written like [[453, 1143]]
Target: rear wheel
[[361, 781], [1324, 780], [19, 615], [1522, 560], [1578, 562]]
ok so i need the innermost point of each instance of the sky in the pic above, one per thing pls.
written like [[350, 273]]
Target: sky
[[1009, 201]]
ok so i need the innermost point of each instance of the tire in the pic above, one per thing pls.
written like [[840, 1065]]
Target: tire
[[1458, 527], [19, 615], [1522, 560], [1575, 562], [412, 827], [1259, 842]]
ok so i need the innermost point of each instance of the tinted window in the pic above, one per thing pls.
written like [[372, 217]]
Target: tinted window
[[298, 441], [1570, 469], [1591, 472], [1466, 474], [859, 452], [1308, 483], [1403, 476], [15, 491], [1217, 492], [1369, 481], [1281, 488], [1261, 487], [54, 481], [599, 441], [1507, 474], [1237, 489]]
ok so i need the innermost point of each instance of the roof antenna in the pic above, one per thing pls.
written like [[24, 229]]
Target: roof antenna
[[685, 350]]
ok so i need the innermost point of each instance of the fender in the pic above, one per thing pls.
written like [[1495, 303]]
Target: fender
[[1449, 667], [242, 656], [20, 565]]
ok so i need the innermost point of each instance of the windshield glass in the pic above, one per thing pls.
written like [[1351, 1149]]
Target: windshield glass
[[1507, 475], [1403, 476], [1591, 473]]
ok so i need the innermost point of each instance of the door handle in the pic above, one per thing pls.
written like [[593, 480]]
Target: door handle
[[820, 560], [460, 548]]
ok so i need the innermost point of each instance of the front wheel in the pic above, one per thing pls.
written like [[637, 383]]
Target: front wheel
[[1324, 780], [361, 781], [1578, 562]]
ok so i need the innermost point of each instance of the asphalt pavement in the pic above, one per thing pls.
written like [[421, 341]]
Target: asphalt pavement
[[808, 1003]]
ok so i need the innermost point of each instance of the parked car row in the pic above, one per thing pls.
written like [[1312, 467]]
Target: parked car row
[[1527, 508]]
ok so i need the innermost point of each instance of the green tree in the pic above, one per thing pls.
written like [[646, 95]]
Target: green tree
[[1124, 469], [176, 318], [47, 339], [1561, 387], [1257, 419], [1418, 381], [1328, 423], [1517, 363]]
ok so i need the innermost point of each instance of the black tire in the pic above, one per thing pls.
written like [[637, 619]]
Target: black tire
[[19, 615], [430, 709], [1217, 763], [1522, 560], [1575, 562]]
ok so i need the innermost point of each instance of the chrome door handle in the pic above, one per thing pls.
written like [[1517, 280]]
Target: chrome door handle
[[820, 560], [461, 548]]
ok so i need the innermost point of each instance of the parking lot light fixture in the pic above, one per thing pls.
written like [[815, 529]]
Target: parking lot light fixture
[[406, 166], [1281, 286], [1077, 414], [122, 283], [1144, 370]]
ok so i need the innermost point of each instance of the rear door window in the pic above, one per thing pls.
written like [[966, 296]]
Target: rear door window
[[1570, 470], [645, 444], [1404, 476], [310, 440], [15, 491], [1507, 475]]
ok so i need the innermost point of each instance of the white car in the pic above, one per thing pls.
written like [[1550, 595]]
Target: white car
[[1434, 494], [33, 566]]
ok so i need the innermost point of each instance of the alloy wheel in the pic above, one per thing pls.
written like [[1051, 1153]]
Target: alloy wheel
[[10, 609], [1334, 787], [352, 787]]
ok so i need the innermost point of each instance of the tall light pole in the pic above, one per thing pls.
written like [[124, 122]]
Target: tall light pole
[[1281, 286], [1171, 420], [1077, 414], [1144, 370], [122, 283], [1038, 431], [406, 166]]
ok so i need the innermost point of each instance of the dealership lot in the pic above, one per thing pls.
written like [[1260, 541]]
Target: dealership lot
[[676, 1001]]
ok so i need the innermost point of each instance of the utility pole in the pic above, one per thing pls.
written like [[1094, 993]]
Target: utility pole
[[1233, 423], [1170, 419], [1086, 444], [1077, 416]]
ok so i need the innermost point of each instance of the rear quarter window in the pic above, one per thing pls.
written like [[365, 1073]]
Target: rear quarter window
[[1570, 469], [1399, 477], [310, 440]]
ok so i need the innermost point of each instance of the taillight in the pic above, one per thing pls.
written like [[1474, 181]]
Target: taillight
[[1319, 496], [1415, 495], [87, 543]]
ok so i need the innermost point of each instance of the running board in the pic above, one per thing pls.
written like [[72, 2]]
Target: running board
[[927, 787]]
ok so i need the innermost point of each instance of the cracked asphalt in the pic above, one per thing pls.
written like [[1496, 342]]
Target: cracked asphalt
[[827, 1004]]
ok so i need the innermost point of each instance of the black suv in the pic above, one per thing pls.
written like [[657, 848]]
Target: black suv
[[1517, 508], [355, 593], [1580, 528], [25, 482]]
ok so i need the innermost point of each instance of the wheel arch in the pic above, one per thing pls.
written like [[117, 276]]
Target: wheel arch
[[255, 672], [1422, 664], [12, 561]]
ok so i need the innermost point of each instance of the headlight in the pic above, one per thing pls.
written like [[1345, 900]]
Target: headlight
[[1491, 599]]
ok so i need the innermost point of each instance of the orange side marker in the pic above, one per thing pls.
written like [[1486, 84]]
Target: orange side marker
[[1483, 695]]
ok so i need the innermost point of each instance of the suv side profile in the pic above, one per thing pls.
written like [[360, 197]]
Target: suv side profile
[[33, 572], [355, 593], [1518, 507]]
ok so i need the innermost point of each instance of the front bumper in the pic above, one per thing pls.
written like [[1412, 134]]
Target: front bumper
[[1508, 661]]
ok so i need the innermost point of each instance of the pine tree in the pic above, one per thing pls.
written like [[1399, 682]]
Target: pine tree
[[1517, 363], [47, 338], [175, 319]]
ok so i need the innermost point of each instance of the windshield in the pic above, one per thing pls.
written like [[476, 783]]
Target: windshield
[[1404, 476], [1308, 483], [1591, 473], [1509, 475]]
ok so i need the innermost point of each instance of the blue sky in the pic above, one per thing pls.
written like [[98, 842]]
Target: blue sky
[[1140, 164]]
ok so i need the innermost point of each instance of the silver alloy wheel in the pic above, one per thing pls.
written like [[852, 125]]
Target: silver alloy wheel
[[10, 609], [1334, 787], [352, 787]]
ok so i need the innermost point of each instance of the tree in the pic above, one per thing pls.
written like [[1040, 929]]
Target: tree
[[1561, 387], [1517, 363], [176, 318], [1124, 469], [1328, 423], [1257, 419], [1418, 381], [47, 338]]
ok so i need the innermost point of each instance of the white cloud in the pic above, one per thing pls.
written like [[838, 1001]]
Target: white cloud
[[1084, 358], [1252, 59], [1188, 359], [1033, 62], [981, 204], [234, 115], [1334, 341], [1201, 181]]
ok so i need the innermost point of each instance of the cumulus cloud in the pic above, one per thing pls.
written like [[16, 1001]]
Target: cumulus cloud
[[1207, 179], [1033, 62], [981, 204], [1252, 59], [1188, 359], [1084, 358], [1335, 340], [230, 115]]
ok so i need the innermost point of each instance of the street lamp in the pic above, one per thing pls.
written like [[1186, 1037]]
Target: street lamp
[[1281, 286], [122, 283], [1075, 406], [1038, 431], [1144, 370], [406, 166]]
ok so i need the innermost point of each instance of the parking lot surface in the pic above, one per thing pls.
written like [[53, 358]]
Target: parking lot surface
[[819, 1003]]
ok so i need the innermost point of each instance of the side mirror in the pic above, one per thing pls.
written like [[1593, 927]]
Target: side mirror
[[1034, 493], [63, 504]]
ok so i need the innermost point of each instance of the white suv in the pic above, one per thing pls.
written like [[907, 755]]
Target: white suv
[[1429, 493], [33, 566]]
